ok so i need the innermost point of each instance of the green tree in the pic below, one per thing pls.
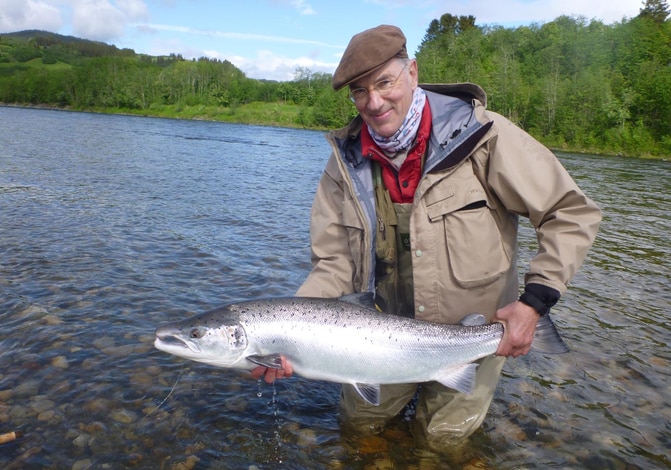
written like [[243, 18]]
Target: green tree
[[449, 39], [655, 10]]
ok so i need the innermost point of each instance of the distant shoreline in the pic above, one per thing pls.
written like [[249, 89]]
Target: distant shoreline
[[257, 122]]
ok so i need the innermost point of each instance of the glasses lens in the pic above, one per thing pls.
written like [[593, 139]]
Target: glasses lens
[[383, 87], [358, 94]]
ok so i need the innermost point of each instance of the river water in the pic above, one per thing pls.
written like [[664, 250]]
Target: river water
[[111, 225]]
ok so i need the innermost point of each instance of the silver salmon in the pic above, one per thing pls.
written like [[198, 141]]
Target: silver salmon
[[342, 340]]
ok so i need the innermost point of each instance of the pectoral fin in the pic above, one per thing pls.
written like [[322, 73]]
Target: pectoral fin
[[369, 392], [460, 378], [274, 361], [362, 299], [473, 319]]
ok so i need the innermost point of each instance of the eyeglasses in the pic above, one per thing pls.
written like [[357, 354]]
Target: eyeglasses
[[382, 87]]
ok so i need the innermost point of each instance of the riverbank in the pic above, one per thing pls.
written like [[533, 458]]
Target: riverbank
[[278, 115], [256, 113]]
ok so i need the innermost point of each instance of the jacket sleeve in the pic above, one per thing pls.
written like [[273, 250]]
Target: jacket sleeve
[[531, 182], [332, 265]]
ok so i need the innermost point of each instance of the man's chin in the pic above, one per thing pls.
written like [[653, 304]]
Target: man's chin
[[385, 130]]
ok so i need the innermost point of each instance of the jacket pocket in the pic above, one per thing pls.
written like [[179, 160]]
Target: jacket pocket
[[473, 240]]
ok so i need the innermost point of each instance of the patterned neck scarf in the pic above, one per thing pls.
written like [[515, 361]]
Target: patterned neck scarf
[[404, 136]]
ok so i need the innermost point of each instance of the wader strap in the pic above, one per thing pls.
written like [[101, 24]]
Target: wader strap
[[406, 294], [394, 287], [386, 250]]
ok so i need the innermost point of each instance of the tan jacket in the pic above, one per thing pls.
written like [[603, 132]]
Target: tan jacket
[[481, 173]]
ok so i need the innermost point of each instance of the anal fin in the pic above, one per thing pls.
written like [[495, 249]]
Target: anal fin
[[369, 392], [460, 378]]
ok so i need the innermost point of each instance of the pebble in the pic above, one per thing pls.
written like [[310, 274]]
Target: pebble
[[90, 363], [372, 445], [141, 379], [29, 388], [19, 412], [98, 405], [32, 310], [381, 464], [82, 464], [238, 404], [95, 427], [82, 440], [103, 342], [153, 370], [52, 320], [60, 361], [306, 437], [119, 351], [46, 416], [124, 416], [188, 464]]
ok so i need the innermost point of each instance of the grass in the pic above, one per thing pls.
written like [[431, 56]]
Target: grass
[[256, 113], [34, 63]]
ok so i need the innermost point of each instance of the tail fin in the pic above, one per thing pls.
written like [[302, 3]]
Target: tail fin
[[547, 339]]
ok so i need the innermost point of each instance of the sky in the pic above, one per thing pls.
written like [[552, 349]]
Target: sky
[[272, 39]]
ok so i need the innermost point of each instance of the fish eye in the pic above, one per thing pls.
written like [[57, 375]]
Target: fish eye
[[196, 333]]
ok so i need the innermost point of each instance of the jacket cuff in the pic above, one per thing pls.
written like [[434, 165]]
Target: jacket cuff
[[540, 297]]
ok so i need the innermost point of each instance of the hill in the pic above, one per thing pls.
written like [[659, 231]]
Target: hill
[[49, 69], [23, 46]]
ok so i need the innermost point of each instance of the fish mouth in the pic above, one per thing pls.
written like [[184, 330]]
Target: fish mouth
[[170, 342]]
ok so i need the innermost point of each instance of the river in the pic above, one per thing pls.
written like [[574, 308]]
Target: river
[[111, 225]]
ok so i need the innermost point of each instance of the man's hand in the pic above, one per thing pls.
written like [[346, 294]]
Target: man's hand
[[272, 374], [519, 323]]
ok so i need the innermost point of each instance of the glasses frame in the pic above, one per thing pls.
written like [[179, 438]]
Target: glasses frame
[[383, 87]]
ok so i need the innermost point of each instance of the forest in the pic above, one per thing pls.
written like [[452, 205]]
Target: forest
[[574, 83]]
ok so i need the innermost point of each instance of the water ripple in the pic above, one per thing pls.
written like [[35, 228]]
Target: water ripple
[[131, 222]]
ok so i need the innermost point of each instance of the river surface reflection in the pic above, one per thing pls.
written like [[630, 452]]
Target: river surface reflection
[[111, 225]]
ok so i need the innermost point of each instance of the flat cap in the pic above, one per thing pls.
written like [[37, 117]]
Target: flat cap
[[368, 51]]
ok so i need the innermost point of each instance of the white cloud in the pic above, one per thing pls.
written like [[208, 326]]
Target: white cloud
[[303, 8], [18, 15], [231, 35], [105, 20], [300, 5], [518, 12], [270, 66]]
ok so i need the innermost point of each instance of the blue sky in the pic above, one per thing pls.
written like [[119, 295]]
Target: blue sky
[[272, 38]]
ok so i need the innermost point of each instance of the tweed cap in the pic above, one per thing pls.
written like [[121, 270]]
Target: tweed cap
[[368, 51]]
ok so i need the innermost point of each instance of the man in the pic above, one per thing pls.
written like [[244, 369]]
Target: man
[[419, 203]]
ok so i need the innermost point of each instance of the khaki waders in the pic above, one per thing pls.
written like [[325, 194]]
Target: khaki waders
[[444, 417]]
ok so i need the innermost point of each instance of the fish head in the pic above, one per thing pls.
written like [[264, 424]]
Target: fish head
[[216, 338]]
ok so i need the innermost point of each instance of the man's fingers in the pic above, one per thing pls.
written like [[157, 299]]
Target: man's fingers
[[287, 369], [258, 372], [270, 375]]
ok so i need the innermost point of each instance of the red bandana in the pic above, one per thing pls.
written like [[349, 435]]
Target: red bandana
[[401, 183]]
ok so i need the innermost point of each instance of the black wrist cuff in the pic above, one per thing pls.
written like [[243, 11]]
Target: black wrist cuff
[[541, 298]]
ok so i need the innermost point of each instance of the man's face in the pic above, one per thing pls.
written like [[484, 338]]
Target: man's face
[[385, 111]]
